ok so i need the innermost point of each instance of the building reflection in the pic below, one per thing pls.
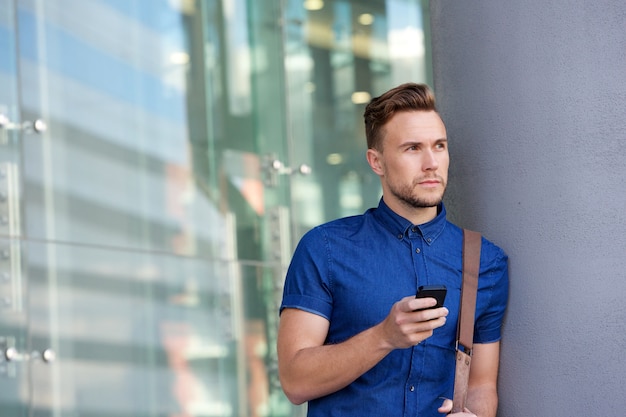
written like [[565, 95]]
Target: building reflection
[[149, 227]]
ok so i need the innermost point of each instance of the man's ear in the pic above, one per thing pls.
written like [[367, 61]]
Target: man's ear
[[374, 158]]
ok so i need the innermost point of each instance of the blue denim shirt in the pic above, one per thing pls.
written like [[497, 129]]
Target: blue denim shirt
[[352, 270]]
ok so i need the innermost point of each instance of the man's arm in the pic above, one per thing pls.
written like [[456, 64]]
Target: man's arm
[[310, 369], [482, 395]]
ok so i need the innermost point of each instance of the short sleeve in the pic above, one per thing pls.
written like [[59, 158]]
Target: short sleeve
[[494, 284], [307, 283]]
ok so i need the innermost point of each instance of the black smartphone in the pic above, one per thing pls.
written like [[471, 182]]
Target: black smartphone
[[438, 292]]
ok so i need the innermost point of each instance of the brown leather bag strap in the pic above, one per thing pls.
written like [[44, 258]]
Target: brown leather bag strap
[[465, 331], [471, 263]]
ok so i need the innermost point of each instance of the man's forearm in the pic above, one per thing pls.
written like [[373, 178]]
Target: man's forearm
[[482, 400], [317, 371]]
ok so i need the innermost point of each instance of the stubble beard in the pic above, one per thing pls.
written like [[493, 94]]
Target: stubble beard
[[406, 194]]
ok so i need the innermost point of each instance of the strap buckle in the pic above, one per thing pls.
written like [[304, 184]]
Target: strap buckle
[[460, 347]]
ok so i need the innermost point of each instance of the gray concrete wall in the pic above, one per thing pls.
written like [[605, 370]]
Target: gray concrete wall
[[534, 97]]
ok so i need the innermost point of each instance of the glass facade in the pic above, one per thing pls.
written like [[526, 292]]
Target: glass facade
[[159, 159]]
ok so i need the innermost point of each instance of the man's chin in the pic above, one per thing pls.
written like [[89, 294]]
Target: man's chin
[[413, 199], [423, 203], [428, 201]]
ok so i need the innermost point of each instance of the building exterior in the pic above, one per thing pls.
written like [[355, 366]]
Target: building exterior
[[158, 161]]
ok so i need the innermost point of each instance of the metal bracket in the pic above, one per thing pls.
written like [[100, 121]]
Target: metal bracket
[[29, 126], [7, 368], [10, 356], [274, 167]]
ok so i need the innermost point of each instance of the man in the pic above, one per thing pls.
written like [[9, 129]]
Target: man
[[352, 339]]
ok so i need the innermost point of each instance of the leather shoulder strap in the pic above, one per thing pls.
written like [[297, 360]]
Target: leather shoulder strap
[[471, 265], [465, 331]]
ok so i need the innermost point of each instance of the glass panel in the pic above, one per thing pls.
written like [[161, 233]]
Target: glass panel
[[340, 54], [14, 340], [162, 202], [11, 126], [135, 333], [247, 122], [116, 164], [159, 143], [140, 334], [15, 388], [244, 86], [264, 397]]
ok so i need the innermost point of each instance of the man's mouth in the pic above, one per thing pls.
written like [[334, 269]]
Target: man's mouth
[[431, 182]]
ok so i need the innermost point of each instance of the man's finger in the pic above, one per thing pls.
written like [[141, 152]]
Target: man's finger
[[446, 407], [422, 303]]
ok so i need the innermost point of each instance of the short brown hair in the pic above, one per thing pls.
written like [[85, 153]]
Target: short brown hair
[[405, 97]]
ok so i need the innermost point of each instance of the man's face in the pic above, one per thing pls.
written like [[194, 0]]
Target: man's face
[[413, 164]]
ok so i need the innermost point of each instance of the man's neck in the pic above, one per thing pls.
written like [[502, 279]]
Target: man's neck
[[416, 215]]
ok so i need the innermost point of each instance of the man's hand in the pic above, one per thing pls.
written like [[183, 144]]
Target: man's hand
[[404, 327], [446, 407]]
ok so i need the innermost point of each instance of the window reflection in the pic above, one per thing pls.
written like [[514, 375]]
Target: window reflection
[[155, 231], [340, 54]]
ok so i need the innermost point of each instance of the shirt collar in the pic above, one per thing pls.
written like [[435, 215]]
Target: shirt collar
[[402, 227]]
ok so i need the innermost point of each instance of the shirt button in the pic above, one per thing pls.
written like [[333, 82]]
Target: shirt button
[[429, 240], [417, 250], [400, 236], [414, 229], [411, 388]]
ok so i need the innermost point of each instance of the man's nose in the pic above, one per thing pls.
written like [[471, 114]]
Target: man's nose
[[430, 161]]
